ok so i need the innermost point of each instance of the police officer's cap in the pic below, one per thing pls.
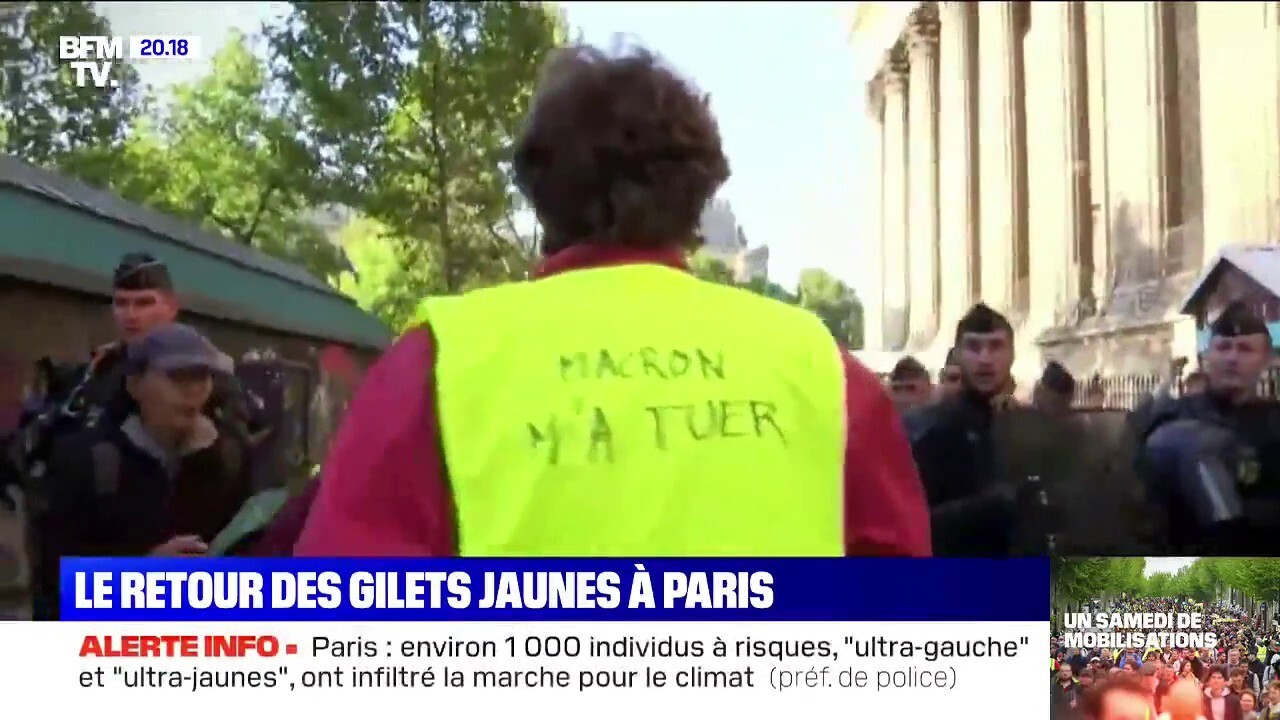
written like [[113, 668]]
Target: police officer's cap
[[907, 368], [1238, 319], [982, 319], [1058, 379], [141, 271]]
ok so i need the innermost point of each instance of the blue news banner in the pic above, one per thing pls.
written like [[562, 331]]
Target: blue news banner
[[867, 590]]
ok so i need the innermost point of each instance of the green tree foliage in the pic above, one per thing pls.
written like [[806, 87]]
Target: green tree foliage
[[45, 119], [409, 110], [382, 284], [225, 157], [1127, 575], [818, 292], [762, 286], [834, 302], [402, 112], [1255, 577], [1161, 585], [1080, 579], [710, 269], [715, 270]]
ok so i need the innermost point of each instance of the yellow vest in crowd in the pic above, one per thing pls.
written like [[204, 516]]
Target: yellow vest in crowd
[[636, 410]]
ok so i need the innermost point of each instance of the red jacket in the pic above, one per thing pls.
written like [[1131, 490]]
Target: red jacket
[[385, 491]]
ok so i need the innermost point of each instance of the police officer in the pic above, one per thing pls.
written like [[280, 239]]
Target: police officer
[[972, 511], [1055, 390], [616, 404], [949, 384], [909, 384], [142, 299], [1211, 461]]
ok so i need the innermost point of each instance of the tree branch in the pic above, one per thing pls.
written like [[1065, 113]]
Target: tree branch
[[263, 200]]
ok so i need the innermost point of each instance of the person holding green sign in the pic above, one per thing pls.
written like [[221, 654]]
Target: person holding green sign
[[164, 482]]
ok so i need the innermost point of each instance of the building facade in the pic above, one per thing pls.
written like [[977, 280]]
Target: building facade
[[752, 263], [1072, 164], [724, 240], [719, 228]]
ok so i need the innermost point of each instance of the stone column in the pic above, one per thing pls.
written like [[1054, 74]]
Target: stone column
[[873, 214], [922, 180], [1158, 123], [1075, 106], [1047, 169], [1099, 148], [1269, 94], [1238, 149], [896, 289], [958, 159], [1001, 206], [1055, 159], [1136, 118]]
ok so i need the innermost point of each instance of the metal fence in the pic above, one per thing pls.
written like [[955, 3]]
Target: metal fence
[[1119, 392], [1124, 392]]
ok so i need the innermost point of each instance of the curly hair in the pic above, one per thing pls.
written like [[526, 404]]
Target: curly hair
[[618, 149]]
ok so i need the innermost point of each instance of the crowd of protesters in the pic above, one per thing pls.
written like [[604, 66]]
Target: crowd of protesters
[[1238, 679]]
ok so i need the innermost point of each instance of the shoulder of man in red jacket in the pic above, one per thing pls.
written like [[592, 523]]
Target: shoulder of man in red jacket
[[885, 511], [383, 490], [386, 491]]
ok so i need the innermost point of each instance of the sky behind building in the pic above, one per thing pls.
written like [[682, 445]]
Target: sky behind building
[[781, 78]]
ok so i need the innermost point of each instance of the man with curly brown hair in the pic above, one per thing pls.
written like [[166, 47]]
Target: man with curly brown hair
[[617, 405]]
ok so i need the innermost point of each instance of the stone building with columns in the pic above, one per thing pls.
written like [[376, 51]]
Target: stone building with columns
[[1072, 164]]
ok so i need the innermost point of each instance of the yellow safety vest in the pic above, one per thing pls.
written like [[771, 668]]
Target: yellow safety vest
[[637, 410]]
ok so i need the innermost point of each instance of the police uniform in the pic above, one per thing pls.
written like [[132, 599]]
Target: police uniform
[[954, 452], [100, 393], [972, 512], [1211, 465]]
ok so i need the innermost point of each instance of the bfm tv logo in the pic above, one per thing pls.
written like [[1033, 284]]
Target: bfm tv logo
[[91, 58]]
